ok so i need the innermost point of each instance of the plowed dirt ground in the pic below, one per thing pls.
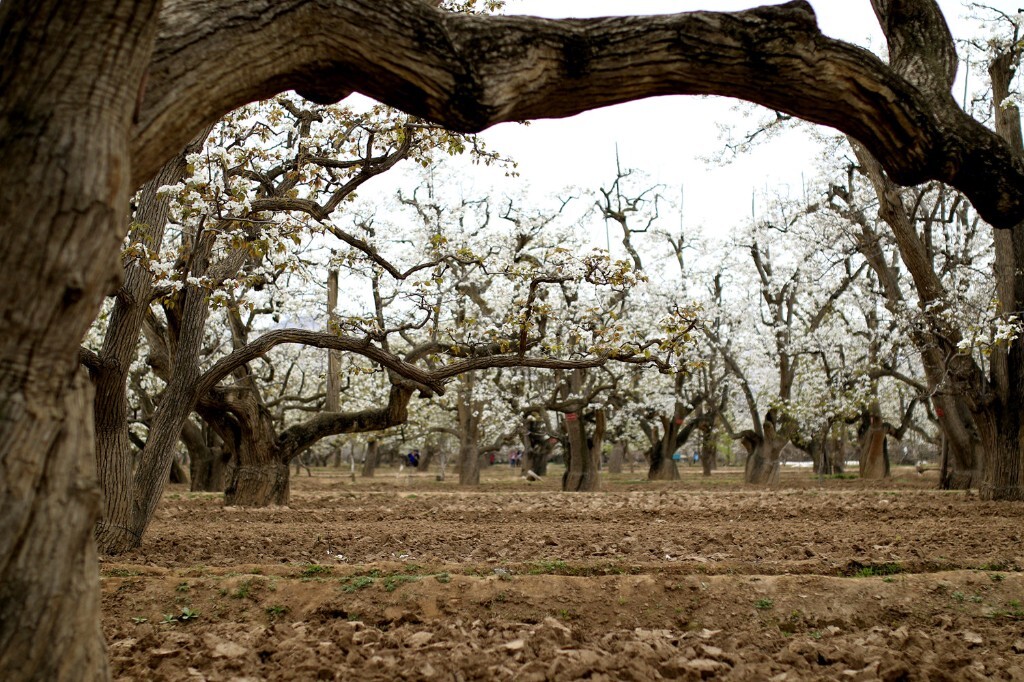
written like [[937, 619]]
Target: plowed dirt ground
[[402, 577]]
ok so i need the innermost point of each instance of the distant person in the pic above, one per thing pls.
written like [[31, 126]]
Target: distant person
[[414, 459]]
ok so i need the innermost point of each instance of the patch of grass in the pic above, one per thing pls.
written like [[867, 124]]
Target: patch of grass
[[139, 620], [996, 577], [764, 604], [549, 566], [1015, 614], [244, 589], [842, 477], [1001, 565], [182, 587], [356, 583], [276, 610], [443, 578], [315, 570], [393, 582], [958, 596], [122, 573], [855, 569]]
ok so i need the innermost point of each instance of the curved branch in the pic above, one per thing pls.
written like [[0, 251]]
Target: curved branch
[[90, 359], [470, 72], [293, 440], [364, 347]]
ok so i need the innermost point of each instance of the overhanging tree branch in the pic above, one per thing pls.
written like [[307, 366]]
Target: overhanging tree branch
[[470, 72]]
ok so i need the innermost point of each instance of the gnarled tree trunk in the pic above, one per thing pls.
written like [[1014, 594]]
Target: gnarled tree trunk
[[874, 450], [70, 79], [763, 451], [663, 467]]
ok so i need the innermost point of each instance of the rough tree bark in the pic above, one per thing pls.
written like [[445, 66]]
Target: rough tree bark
[[874, 453], [115, 458], [129, 510], [208, 461], [662, 466], [674, 434], [763, 450], [582, 468], [70, 77]]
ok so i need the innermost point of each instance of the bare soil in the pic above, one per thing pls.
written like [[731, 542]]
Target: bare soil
[[402, 577]]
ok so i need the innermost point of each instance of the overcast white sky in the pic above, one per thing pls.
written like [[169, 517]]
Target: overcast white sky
[[666, 137]]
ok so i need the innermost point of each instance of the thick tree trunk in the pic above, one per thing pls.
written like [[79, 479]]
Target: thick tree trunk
[[873, 466], [663, 467], [1001, 436], [207, 463], [128, 515], [70, 79], [115, 458], [537, 449], [708, 453], [426, 457], [209, 473], [832, 455], [584, 455], [262, 475], [762, 467], [179, 474], [258, 484], [469, 463], [49, 580], [618, 457], [370, 458]]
